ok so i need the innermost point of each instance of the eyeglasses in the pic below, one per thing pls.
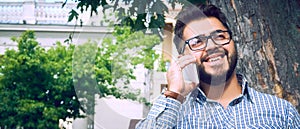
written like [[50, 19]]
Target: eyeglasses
[[219, 37]]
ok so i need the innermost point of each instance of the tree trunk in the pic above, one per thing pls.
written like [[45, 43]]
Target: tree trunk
[[267, 33]]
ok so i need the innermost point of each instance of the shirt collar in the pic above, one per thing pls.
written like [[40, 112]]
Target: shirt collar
[[199, 95]]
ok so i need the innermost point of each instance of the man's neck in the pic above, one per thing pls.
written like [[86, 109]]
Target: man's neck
[[223, 93]]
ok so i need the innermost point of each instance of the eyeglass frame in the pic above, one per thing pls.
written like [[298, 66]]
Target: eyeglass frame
[[207, 37]]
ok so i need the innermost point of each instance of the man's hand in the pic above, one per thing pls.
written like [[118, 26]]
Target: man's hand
[[175, 77]]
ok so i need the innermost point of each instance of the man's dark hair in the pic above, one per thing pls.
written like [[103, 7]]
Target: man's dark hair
[[195, 12]]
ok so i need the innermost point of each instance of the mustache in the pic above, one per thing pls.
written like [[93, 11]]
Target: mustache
[[215, 51]]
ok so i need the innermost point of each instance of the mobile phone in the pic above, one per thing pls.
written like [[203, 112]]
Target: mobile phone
[[190, 73]]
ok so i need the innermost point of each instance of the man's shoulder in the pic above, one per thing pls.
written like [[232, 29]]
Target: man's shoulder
[[260, 97]]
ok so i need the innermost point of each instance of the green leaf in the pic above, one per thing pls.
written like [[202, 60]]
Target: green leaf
[[139, 23], [73, 14]]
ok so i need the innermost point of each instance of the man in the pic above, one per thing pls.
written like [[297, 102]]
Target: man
[[222, 99]]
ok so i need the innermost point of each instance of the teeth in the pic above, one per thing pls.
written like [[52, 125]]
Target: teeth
[[214, 59]]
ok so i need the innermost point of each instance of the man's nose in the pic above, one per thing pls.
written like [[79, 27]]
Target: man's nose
[[210, 44]]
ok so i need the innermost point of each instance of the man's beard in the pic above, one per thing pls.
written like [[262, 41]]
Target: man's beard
[[221, 78]]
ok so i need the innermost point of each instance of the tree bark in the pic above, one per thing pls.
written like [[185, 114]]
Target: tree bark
[[267, 33]]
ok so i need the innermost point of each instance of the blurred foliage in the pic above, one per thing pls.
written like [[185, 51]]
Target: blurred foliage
[[97, 70], [163, 65], [38, 87], [140, 15]]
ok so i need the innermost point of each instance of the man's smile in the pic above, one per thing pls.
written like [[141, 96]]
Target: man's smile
[[213, 59]]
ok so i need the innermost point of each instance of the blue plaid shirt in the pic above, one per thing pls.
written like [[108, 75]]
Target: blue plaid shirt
[[252, 109]]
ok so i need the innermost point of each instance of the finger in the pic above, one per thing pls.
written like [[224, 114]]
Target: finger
[[175, 65], [174, 73], [185, 60], [181, 55]]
